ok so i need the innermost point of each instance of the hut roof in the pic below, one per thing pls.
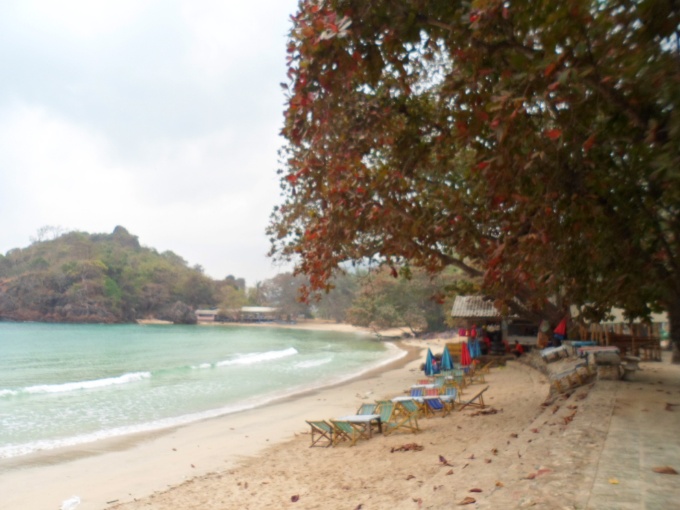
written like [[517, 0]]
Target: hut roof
[[478, 307]]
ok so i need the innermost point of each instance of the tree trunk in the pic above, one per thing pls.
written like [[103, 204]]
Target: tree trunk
[[674, 320]]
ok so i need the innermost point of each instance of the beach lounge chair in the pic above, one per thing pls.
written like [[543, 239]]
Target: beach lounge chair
[[322, 432], [398, 415], [451, 396], [435, 404], [346, 430], [367, 409], [476, 401]]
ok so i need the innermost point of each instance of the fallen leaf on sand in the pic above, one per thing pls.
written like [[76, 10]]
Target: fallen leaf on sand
[[476, 490], [499, 484], [410, 477], [530, 476], [359, 506], [669, 406], [488, 461], [449, 472], [495, 451], [295, 498], [665, 470], [514, 435], [467, 501], [408, 447], [535, 431], [471, 457], [613, 481], [445, 462]]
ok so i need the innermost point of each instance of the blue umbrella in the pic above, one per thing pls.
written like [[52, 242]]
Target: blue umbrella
[[447, 362], [475, 349], [429, 365]]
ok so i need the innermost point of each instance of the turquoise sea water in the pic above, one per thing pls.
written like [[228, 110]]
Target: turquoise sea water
[[65, 384]]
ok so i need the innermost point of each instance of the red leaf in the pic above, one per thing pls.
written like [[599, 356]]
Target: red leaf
[[553, 134], [550, 69], [588, 144], [482, 165]]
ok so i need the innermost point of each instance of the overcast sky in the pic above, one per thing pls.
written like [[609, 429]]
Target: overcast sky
[[160, 116]]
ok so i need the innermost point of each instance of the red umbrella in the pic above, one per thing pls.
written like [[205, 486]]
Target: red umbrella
[[465, 358]]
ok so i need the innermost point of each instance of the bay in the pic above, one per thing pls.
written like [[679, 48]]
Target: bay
[[66, 384]]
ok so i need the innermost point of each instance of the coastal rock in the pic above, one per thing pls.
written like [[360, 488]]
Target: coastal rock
[[178, 313]]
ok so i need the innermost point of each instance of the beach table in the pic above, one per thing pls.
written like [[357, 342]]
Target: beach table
[[366, 421], [424, 386]]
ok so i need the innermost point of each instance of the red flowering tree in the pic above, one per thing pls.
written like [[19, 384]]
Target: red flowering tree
[[533, 144]]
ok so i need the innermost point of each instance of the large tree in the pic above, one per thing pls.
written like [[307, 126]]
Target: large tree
[[534, 144]]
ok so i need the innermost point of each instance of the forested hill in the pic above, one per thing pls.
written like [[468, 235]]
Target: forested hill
[[104, 278]]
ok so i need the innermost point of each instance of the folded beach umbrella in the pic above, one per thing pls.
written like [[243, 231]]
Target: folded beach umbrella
[[447, 362], [429, 364], [465, 358], [475, 349]]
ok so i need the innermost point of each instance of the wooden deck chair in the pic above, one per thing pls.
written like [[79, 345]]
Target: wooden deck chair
[[460, 377], [322, 431], [476, 401], [397, 415], [367, 409], [406, 416], [451, 396], [346, 430], [436, 404], [486, 368]]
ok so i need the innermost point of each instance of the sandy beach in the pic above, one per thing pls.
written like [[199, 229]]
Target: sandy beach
[[520, 452]]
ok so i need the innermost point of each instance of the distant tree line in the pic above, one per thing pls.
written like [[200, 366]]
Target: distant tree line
[[111, 278]]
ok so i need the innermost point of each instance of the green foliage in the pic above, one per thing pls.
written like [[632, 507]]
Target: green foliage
[[535, 144], [418, 302], [98, 278]]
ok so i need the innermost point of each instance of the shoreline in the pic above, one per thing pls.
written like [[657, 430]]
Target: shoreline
[[93, 471]]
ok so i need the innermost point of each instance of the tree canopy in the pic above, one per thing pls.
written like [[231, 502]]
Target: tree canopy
[[80, 277], [533, 144]]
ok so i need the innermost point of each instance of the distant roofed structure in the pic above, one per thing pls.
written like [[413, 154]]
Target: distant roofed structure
[[474, 307]]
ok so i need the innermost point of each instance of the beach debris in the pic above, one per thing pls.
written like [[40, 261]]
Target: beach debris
[[444, 462], [569, 418], [70, 503], [415, 447], [476, 489], [665, 470], [471, 457], [535, 431], [410, 477], [499, 484], [449, 472], [491, 410], [614, 481], [295, 498], [514, 435], [467, 501], [193, 466], [488, 461], [669, 406], [494, 451]]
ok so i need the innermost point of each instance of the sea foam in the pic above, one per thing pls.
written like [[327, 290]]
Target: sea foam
[[86, 385], [258, 357]]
